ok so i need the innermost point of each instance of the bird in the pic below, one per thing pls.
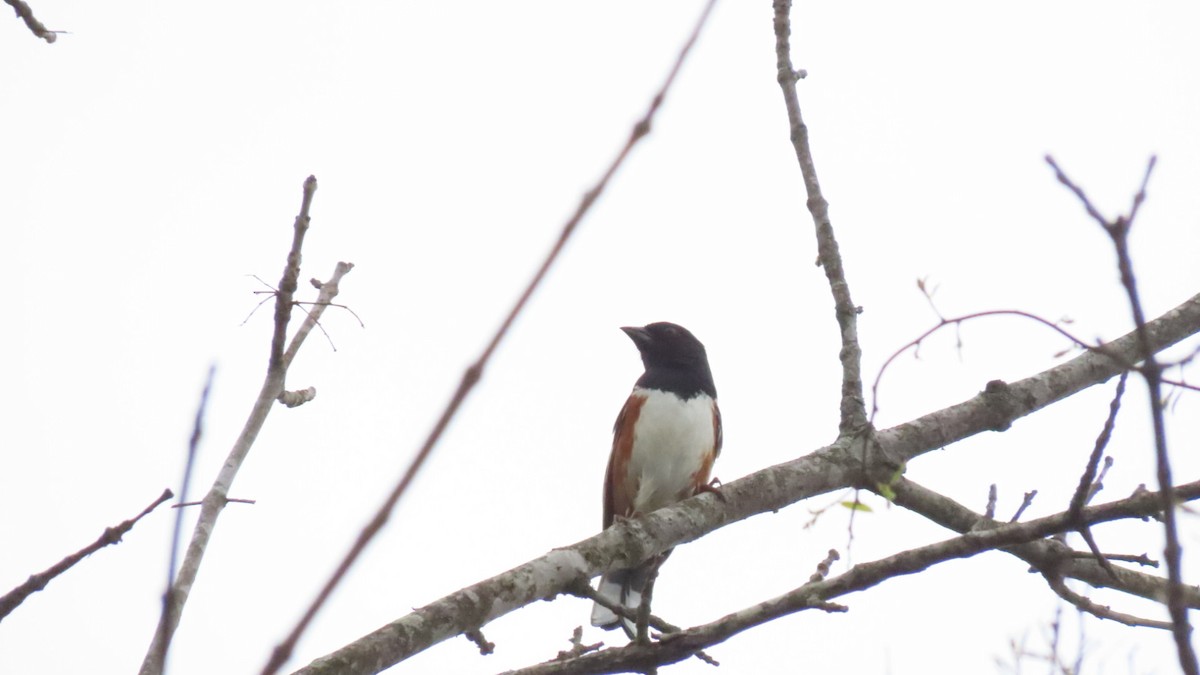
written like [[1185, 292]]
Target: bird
[[665, 440]]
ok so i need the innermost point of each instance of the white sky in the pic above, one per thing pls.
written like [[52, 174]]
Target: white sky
[[153, 158]]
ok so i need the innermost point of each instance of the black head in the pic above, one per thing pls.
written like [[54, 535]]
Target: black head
[[675, 360]]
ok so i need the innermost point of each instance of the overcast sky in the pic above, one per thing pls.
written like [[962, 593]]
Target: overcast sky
[[152, 163]]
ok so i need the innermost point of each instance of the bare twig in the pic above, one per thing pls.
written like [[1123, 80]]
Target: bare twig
[[217, 497], [1088, 485], [319, 284], [1085, 490], [328, 291], [36, 582], [916, 342], [168, 599], [582, 589], [825, 565], [1100, 611], [1098, 484], [1140, 559], [1118, 231], [26, 14], [577, 646], [1026, 502], [853, 411], [1049, 555], [1002, 403], [471, 377]]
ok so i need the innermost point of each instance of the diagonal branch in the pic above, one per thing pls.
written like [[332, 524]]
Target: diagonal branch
[[25, 12], [471, 377], [1085, 604], [853, 409], [830, 468], [1052, 557], [112, 535], [1089, 484], [816, 593]]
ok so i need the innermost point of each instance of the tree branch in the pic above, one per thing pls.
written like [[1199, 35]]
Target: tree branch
[[830, 468], [817, 593], [1048, 556], [36, 582], [25, 12], [853, 408], [1100, 611]]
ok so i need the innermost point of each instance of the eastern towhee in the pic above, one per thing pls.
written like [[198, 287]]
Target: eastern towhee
[[664, 444]]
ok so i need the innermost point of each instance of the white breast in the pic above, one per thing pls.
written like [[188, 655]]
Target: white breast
[[672, 439]]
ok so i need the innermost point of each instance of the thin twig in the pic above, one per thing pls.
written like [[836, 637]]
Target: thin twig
[[1087, 482], [582, 589], [36, 582], [1026, 502], [1140, 559], [471, 377], [1049, 554], [1099, 349], [577, 646], [1085, 489], [168, 598], [853, 411], [1085, 604], [825, 565], [312, 317]]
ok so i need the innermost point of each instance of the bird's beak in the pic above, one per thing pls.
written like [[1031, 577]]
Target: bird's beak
[[639, 335]]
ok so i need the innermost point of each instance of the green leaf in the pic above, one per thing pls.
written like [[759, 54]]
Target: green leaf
[[886, 492], [857, 506]]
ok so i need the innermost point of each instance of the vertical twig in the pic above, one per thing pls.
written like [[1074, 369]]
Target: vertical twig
[[853, 408], [177, 532], [1086, 488]]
